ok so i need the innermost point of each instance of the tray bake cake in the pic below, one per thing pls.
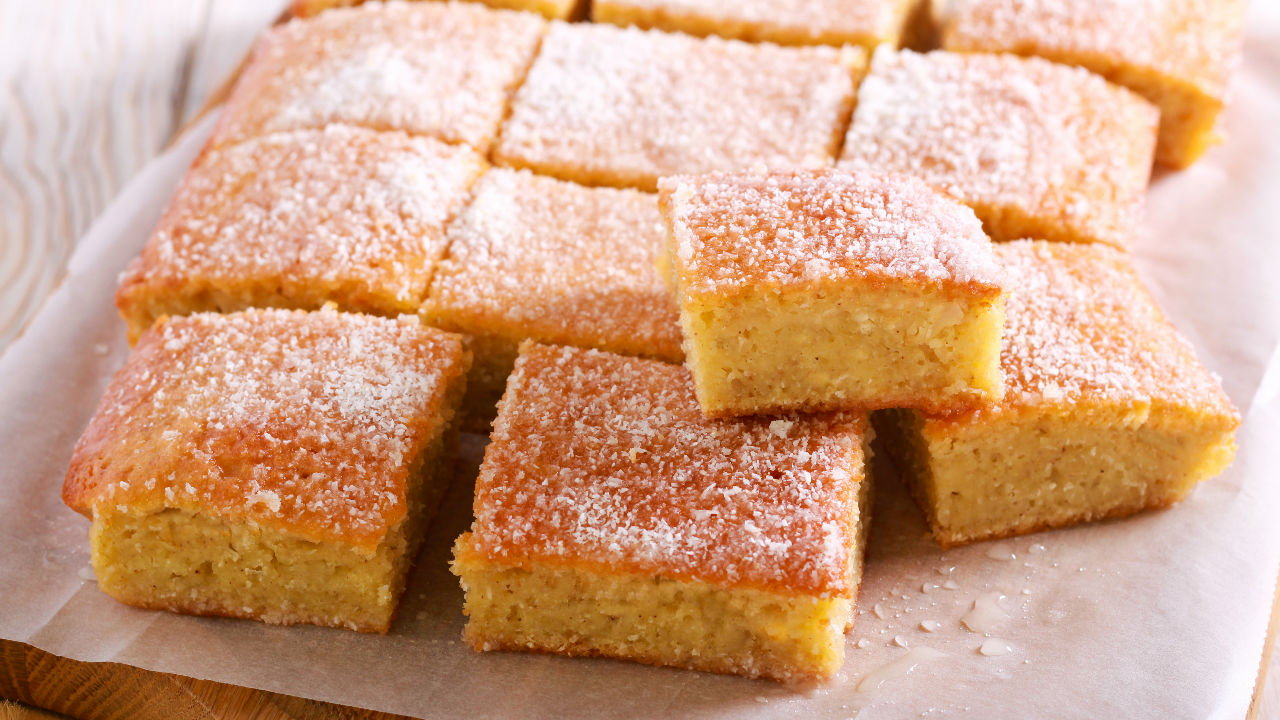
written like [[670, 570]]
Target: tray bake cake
[[1179, 54], [826, 289], [1106, 410], [613, 519], [604, 105], [535, 257], [441, 69], [298, 219], [278, 465], [787, 22], [1037, 149]]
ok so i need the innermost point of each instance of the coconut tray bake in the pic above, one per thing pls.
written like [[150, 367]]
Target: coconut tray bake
[[688, 263]]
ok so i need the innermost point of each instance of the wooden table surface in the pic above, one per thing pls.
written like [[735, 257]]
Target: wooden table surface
[[90, 90]]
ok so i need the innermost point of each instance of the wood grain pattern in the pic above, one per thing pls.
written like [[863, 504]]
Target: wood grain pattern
[[91, 90], [107, 691]]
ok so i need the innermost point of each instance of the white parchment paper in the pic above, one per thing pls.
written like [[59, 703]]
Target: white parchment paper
[[1161, 616]]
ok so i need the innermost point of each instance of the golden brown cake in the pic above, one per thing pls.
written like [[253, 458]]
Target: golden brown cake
[[610, 106], [613, 519], [1037, 149], [1179, 54], [555, 9], [1106, 410], [788, 22], [815, 290], [446, 70], [278, 465], [298, 219], [535, 257]]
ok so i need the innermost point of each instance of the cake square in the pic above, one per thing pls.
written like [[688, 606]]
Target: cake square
[[1107, 412], [551, 9], [535, 257], [1037, 149], [299, 219], [1179, 54], [278, 465], [604, 105], [446, 70], [787, 22], [613, 519], [819, 290]]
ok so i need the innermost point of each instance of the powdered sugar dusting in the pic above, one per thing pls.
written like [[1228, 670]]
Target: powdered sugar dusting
[[537, 257], [342, 214], [734, 231], [862, 21], [431, 68], [1014, 137], [624, 107], [1196, 41], [606, 460], [306, 420], [1079, 323]]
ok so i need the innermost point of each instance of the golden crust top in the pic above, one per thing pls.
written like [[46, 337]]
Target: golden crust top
[[342, 214], [1054, 141], [732, 232], [1192, 41], [862, 21], [427, 68], [306, 422], [604, 461], [626, 106], [1080, 327], [561, 263]]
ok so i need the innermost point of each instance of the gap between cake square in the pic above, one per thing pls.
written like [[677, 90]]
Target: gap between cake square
[[442, 69], [866, 23], [550, 9], [819, 290], [299, 219], [604, 105], [277, 465], [1037, 149], [613, 519], [1107, 411], [1179, 54], [532, 257]]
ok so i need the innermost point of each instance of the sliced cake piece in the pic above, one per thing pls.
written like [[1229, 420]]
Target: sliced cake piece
[[1036, 148], [272, 464], [610, 106], [817, 290], [446, 70], [535, 257], [613, 519], [1107, 411], [1179, 54], [557, 9], [788, 22], [299, 219]]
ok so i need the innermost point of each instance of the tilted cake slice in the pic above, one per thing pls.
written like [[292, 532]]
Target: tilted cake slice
[[817, 290], [613, 519], [1107, 411], [278, 465]]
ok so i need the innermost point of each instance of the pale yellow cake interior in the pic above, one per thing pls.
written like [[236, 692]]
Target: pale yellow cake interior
[[192, 562], [868, 347], [573, 610], [1044, 470]]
